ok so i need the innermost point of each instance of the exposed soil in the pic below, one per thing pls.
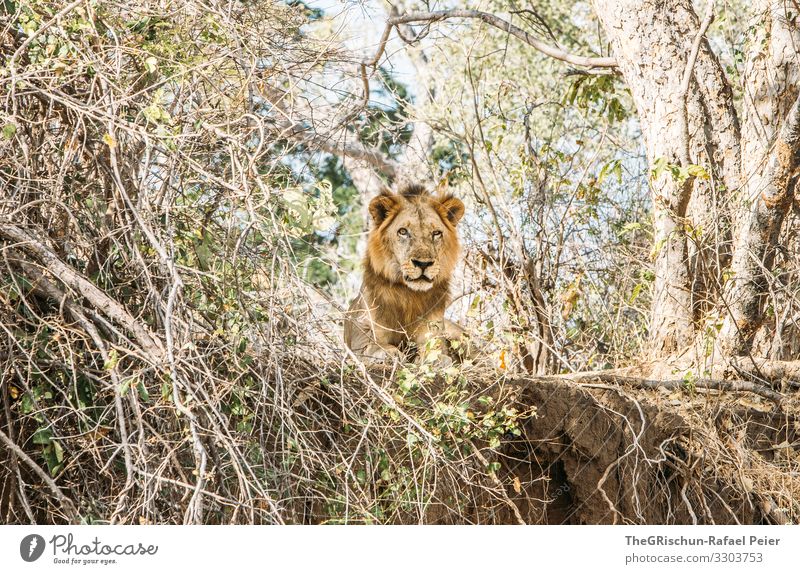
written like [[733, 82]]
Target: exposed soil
[[603, 454]]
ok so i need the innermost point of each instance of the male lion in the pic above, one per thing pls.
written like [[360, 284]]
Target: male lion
[[412, 250]]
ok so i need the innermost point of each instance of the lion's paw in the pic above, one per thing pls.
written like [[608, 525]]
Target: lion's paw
[[376, 356]]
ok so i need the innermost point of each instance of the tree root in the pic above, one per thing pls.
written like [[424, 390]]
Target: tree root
[[766, 370], [613, 377]]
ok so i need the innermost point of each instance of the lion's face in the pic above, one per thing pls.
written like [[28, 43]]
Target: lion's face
[[414, 240]]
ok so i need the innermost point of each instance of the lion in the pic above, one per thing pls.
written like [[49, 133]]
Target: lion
[[412, 250]]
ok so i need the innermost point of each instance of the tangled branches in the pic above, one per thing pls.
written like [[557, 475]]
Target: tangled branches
[[161, 356]]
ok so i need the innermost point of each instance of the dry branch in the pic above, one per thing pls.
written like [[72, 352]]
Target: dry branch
[[67, 275], [593, 63], [64, 500], [339, 142], [686, 81], [766, 370], [495, 21], [679, 384]]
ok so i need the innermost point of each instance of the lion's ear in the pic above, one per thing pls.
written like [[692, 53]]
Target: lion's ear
[[453, 208], [382, 206]]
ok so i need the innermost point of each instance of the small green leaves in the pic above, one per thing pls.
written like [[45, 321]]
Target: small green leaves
[[111, 362], [613, 167], [52, 451], [309, 212], [597, 94], [43, 435], [142, 391], [637, 289], [689, 381], [154, 113], [659, 165], [679, 173], [697, 171], [9, 130], [630, 227]]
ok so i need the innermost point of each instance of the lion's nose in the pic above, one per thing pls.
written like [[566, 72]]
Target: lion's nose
[[423, 265]]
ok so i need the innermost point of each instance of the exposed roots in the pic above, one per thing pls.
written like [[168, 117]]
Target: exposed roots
[[616, 454]]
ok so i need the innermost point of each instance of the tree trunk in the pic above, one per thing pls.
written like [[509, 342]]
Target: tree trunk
[[770, 141], [652, 42]]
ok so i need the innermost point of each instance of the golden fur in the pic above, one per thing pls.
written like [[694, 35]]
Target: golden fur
[[412, 251]]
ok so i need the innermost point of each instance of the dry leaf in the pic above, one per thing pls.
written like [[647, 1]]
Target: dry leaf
[[517, 485]]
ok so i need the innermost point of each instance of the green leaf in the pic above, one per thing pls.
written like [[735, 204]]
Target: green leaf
[[42, 436], [637, 289], [58, 451], [474, 306], [142, 390], [630, 227], [9, 130], [659, 165], [53, 456], [697, 171], [613, 167], [155, 114], [26, 404], [111, 362]]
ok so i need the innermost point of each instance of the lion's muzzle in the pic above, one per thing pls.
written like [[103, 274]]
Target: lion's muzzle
[[419, 274]]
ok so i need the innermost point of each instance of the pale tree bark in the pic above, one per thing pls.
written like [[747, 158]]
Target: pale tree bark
[[770, 144], [652, 41], [756, 165], [366, 179], [715, 146]]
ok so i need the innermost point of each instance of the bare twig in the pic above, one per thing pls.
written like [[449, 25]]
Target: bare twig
[[113, 309], [687, 78], [65, 501]]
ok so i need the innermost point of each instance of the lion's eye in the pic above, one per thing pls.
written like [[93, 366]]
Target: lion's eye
[[437, 234], [402, 232]]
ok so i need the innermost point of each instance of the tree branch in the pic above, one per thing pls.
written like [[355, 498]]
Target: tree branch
[[336, 145], [767, 370], [687, 78], [68, 505], [353, 150], [641, 383], [113, 309], [492, 20]]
